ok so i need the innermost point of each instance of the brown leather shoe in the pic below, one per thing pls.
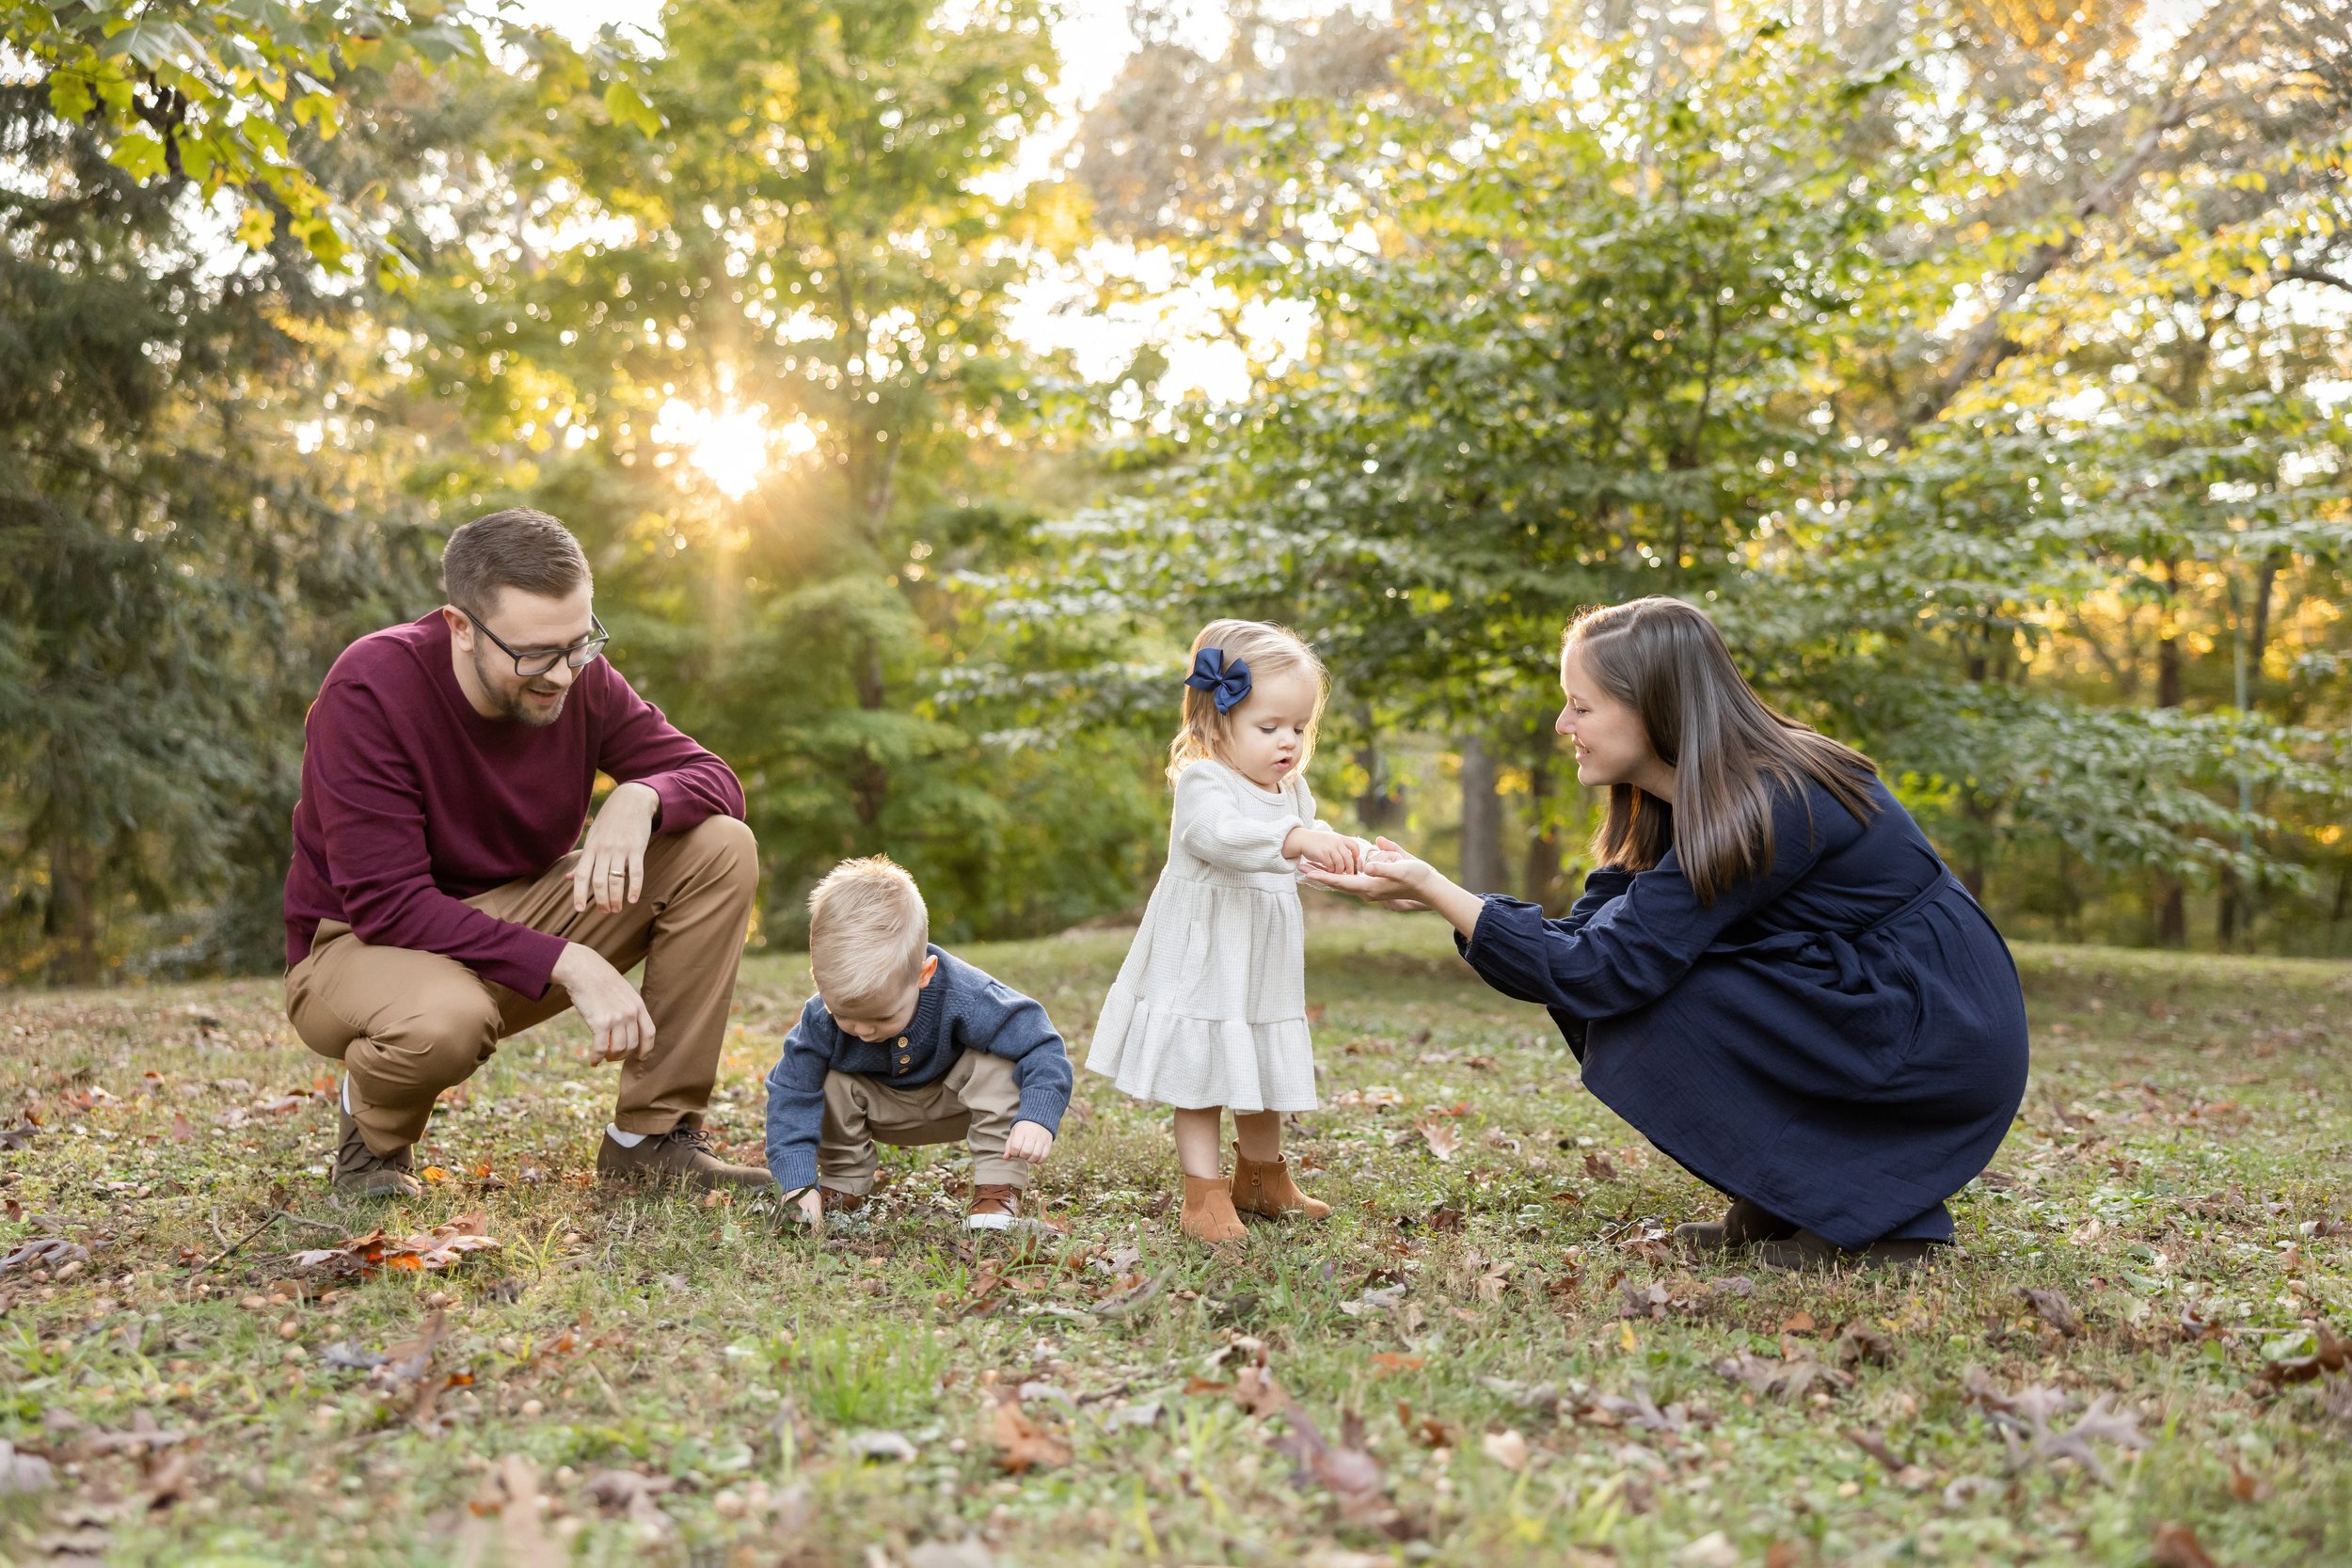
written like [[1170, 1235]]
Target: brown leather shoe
[[1264, 1187], [1805, 1252], [362, 1173], [995, 1206], [681, 1154], [1208, 1214], [1744, 1224]]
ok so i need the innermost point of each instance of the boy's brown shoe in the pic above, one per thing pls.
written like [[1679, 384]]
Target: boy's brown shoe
[[994, 1207], [681, 1154], [362, 1173]]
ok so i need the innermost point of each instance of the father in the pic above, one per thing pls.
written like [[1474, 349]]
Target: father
[[436, 904]]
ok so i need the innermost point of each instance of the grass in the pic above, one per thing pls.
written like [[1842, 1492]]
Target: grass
[[690, 1387]]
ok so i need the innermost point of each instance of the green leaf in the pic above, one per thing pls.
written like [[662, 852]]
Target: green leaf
[[140, 155], [627, 106]]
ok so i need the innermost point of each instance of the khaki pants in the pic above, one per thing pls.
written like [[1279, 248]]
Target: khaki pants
[[976, 1100], [407, 1024]]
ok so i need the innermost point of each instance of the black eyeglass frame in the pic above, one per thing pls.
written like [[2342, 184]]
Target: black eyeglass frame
[[577, 654]]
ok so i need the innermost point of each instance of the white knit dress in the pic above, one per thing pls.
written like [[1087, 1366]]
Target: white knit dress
[[1210, 1007]]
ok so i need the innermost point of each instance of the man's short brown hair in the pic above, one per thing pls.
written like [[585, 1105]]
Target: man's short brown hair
[[515, 549], [867, 935]]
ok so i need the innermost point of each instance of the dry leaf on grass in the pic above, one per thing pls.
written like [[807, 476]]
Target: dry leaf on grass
[[1022, 1445], [1858, 1342], [1443, 1137], [1871, 1441], [891, 1445], [2025, 1422], [2176, 1547], [1600, 1167], [2053, 1307], [1788, 1378], [502, 1528], [22, 1473], [442, 1247], [1505, 1448], [2331, 1352], [1346, 1469]]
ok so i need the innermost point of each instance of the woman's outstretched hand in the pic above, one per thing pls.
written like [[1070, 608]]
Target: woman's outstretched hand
[[1390, 877], [1395, 878]]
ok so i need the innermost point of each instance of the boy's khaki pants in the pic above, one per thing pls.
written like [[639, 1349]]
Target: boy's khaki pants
[[407, 1024], [976, 1100]]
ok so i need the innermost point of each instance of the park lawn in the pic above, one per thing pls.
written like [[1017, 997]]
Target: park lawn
[[1537, 1380]]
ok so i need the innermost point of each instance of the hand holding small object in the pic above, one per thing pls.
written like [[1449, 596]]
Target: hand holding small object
[[1317, 848]]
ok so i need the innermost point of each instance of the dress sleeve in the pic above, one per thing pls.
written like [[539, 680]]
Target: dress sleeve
[[1210, 824], [1616, 953]]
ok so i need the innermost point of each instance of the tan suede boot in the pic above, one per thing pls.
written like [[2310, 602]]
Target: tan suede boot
[[1208, 1214], [1266, 1188]]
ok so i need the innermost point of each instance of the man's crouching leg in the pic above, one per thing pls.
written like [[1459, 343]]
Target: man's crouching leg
[[689, 927], [406, 1026]]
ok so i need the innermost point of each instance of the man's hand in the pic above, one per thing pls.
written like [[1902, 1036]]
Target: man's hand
[[616, 1013], [811, 1207], [611, 871], [1029, 1141]]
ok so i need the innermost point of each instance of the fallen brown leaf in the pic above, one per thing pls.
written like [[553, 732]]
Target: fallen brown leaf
[[2176, 1547], [2331, 1353], [2052, 1307], [1442, 1136], [1022, 1444]]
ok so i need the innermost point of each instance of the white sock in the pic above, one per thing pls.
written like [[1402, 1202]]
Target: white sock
[[626, 1140], [346, 1094]]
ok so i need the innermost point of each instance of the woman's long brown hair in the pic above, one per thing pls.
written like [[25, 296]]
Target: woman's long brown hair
[[1666, 662]]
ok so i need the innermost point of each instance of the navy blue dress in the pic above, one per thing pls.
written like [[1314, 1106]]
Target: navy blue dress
[[1841, 1039]]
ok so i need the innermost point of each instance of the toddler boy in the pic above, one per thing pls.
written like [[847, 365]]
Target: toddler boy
[[906, 1045]]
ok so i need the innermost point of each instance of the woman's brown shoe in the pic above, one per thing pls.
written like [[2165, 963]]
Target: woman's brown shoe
[[1744, 1224], [1808, 1253], [1264, 1187], [1208, 1214]]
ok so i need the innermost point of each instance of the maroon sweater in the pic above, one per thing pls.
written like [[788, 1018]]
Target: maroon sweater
[[412, 801]]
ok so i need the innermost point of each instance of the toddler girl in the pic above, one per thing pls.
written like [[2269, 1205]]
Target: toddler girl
[[1209, 1008]]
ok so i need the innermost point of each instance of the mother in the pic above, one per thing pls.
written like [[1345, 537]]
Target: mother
[[1771, 975]]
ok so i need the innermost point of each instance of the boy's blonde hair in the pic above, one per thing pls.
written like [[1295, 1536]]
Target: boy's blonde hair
[[1269, 650], [867, 934]]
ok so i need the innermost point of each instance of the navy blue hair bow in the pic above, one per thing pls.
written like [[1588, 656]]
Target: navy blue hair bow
[[1226, 684]]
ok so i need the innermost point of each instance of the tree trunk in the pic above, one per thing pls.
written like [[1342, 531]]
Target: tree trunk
[[2172, 896], [1482, 819], [869, 787], [70, 920], [1543, 838], [1383, 799]]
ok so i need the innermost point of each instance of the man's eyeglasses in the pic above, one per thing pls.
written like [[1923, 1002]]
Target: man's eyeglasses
[[539, 661]]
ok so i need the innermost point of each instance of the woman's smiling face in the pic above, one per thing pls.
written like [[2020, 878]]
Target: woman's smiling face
[[1612, 745]]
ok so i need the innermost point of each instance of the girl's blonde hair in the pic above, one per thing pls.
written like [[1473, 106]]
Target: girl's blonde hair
[[1269, 650]]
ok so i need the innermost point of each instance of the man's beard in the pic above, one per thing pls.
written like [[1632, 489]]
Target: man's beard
[[515, 705]]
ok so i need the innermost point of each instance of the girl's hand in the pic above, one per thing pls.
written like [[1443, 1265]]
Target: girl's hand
[[1324, 851], [1389, 875]]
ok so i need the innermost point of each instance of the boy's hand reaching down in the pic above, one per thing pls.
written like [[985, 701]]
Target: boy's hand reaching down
[[1029, 1141], [812, 1209]]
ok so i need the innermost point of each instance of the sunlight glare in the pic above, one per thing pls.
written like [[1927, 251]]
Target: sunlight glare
[[733, 447]]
